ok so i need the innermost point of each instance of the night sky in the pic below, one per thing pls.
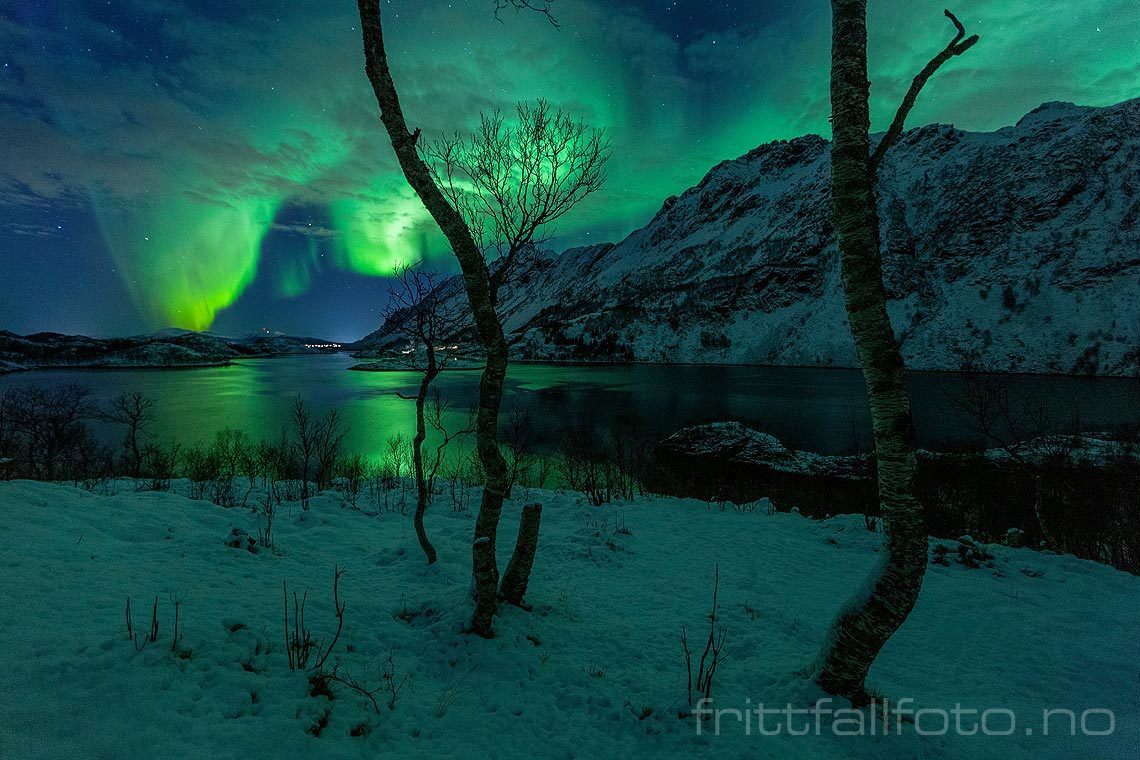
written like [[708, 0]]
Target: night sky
[[219, 164]]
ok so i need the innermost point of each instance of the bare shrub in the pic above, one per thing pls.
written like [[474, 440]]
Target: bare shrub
[[453, 688], [397, 456], [304, 442], [392, 680], [228, 458], [1019, 423], [462, 472], [201, 468], [9, 445], [265, 529], [301, 647], [305, 652], [526, 466], [353, 470], [150, 635], [160, 464], [330, 434], [518, 441], [316, 445], [177, 600], [276, 462], [702, 683], [89, 464], [46, 433], [583, 461], [136, 412]]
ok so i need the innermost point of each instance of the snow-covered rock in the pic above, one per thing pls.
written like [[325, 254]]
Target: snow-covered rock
[[731, 445], [1024, 243]]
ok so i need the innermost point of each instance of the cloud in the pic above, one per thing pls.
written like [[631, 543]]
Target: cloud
[[306, 230], [33, 230]]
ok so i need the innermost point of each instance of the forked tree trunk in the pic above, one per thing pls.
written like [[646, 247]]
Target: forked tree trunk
[[489, 329], [875, 613], [422, 495], [517, 576]]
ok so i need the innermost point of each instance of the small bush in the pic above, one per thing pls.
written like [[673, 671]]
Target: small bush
[[353, 470]]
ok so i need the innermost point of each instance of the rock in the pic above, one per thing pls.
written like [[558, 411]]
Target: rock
[[733, 444], [1014, 537], [239, 539]]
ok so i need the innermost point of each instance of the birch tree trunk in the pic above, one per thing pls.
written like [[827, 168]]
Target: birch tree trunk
[[517, 576], [874, 614], [488, 328]]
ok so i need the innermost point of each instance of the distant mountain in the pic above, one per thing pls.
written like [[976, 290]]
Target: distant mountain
[[166, 348], [1023, 243]]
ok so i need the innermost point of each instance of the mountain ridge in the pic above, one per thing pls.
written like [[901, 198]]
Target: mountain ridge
[[1022, 243]]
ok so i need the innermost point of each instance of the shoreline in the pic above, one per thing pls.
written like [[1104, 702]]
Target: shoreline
[[817, 367], [363, 365]]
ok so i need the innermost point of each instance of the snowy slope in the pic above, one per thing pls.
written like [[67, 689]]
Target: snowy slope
[[1023, 242], [572, 679]]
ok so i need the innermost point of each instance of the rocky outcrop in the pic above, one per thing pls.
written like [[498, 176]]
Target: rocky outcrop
[[1076, 493]]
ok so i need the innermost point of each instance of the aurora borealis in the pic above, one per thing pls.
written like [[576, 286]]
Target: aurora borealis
[[219, 164]]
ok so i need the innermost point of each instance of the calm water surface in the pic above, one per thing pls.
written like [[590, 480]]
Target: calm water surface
[[817, 409]]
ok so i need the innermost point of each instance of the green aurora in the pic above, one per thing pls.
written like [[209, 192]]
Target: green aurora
[[189, 163]]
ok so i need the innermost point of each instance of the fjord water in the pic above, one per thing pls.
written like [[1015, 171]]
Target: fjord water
[[821, 410]]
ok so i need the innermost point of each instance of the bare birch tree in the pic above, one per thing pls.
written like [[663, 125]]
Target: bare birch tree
[[481, 285], [423, 318], [876, 612]]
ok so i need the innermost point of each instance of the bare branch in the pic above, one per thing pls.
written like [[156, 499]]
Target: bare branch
[[420, 312], [511, 181], [338, 608], [956, 47], [957, 25], [434, 411], [529, 5]]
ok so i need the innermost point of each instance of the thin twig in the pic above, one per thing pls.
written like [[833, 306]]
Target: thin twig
[[529, 5], [338, 606]]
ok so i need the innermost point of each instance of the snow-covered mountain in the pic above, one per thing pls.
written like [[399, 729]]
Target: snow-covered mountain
[[1023, 243]]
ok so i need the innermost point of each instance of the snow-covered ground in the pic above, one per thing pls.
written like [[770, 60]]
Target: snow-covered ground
[[594, 671]]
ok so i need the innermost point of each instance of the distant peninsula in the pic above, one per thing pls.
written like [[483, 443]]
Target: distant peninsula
[[173, 349]]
